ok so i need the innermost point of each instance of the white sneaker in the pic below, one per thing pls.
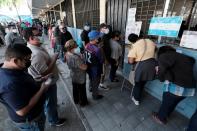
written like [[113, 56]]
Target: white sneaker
[[103, 87], [137, 103]]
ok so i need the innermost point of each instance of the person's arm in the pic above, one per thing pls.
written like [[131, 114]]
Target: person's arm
[[132, 55], [83, 67], [51, 65], [33, 101]]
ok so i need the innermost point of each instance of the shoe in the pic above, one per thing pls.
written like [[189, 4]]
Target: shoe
[[90, 89], [59, 123], [84, 104], [156, 118], [97, 97], [137, 103], [115, 80], [103, 87]]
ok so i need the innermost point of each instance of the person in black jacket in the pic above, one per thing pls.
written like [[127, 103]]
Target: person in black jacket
[[192, 123], [65, 36], [176, 71]]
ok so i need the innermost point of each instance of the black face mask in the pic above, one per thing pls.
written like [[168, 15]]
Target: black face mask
[[27, 64]]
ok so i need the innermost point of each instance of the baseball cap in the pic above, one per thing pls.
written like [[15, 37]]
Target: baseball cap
[[93, 35]]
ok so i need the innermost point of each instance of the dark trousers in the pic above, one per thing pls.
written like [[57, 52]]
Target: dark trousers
[[94, 82], [193, 123], [169, 103], [79, 93], [113, 70], [138, 89]]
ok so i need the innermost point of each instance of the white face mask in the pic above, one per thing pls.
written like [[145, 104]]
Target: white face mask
[[77, 50], [87, 28], [14, 30], [106, 31]]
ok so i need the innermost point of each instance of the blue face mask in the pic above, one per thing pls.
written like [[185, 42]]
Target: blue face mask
[[77, 50]]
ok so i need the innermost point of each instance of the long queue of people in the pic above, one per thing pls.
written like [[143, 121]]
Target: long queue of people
[[31, 66]]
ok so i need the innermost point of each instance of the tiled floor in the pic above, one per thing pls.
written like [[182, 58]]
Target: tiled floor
[[116, 111]]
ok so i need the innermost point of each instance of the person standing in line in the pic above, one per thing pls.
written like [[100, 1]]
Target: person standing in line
[[193, 122], [94, 60], [41, 65], [116, 53], [142, 55], [176, 71], [84, 34], [19, 93], [78, 69], [105, 32], [65, 35]]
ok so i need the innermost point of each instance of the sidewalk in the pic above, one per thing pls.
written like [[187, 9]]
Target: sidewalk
[[116, 111], [65, 110]]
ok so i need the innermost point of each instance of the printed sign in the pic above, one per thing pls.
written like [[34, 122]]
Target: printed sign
[[189, 39], [133, 28], [165, 26], [131, 15]]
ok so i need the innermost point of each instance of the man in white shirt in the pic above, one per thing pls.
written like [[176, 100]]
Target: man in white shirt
[[41, 65]]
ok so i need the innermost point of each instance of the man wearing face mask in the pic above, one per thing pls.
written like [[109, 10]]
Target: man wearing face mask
[[105, 31], [64, 37], [116, 53], [84, 34], [42, 65], [94, 60], [13, 36], [19, 93]]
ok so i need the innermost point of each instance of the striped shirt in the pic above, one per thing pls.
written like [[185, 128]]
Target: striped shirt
[[178, 90]]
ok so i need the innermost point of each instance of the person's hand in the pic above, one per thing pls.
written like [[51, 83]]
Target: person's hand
[[44, 78], [157, 69], [44, 87], [55, 56]]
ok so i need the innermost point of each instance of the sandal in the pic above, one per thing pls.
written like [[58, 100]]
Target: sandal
[[156, 118]]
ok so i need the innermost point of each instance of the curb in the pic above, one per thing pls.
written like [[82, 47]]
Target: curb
[[77, 108]]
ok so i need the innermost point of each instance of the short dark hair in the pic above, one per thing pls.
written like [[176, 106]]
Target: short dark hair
[[133, 38], [28, 33], [17, 51], [165, 49], [115, 34]]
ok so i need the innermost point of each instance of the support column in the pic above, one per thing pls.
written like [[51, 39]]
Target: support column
[[102, 11], [165, 14], [73, 12]]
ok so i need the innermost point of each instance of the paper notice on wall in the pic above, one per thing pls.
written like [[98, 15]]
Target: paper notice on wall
[[131, 15], [189, 39], [133, 28]]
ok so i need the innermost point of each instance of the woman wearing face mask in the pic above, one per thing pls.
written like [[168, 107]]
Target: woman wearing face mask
[[84, 34], [77, 71]]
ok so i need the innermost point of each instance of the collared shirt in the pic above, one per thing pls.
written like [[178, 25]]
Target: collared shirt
[[138, 48], [40, 60], [178, 90]]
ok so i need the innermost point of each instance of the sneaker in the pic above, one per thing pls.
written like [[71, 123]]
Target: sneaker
[[156, 118], [97, 97], [103, 87], [59, 123], [137, 103], [115, 80]]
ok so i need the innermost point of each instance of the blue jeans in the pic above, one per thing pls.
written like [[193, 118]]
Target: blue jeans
[[192, 123], [51, 104], [37, 124]]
